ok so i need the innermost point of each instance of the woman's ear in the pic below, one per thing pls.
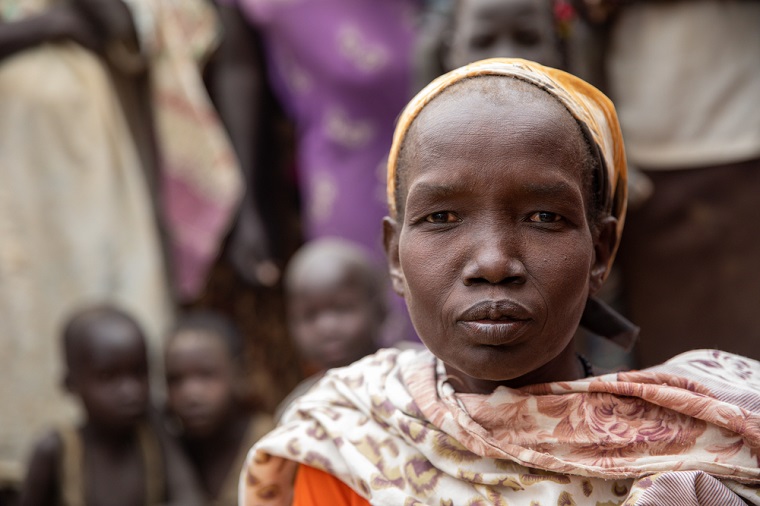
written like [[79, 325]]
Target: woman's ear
[[390, 240], [604, 250]]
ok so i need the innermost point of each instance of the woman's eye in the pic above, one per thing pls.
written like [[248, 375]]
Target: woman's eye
[[441, 217], [544, 217]]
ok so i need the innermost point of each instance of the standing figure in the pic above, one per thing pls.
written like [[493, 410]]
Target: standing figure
[[208, 401], [119, 455]]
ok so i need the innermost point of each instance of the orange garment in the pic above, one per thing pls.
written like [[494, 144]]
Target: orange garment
[[314, 487]]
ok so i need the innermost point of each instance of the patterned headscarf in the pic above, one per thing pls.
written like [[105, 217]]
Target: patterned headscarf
[[590, 107]]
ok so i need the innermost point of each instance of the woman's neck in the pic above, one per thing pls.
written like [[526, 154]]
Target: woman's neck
[[566, 366]]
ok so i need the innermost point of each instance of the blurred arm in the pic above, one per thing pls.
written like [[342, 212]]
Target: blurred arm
[[236, 83]]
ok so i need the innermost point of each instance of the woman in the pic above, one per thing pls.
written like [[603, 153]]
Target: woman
[[507, 193]]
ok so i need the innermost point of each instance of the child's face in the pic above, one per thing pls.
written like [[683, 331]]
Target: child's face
[[502, 28], [111, 375], [494, 254], [201, 380], [332, 317]]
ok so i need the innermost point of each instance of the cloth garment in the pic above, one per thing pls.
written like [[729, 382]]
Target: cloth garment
[[313, 487], [78, 224], [71, 471], [392, 428], [691, 278], [200, 177], [685, 79]]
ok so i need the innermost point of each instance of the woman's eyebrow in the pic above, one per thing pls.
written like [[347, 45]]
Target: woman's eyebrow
[[432, 190], [554, 189]]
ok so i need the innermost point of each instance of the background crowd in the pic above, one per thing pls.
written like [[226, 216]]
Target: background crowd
[[161, 162]]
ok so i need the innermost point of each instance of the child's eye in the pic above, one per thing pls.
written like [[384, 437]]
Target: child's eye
[[527, 37], [544, 217], [482, 41], [441, 217]]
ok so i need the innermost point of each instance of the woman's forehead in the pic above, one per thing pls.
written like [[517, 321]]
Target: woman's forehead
[[485, 111]]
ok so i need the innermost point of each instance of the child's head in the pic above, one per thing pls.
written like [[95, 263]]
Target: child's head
[[203, 371], [482, 29], [336, 302], [503, 217], [107, 366]]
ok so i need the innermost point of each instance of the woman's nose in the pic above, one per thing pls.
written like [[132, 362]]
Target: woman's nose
[[495, 259]]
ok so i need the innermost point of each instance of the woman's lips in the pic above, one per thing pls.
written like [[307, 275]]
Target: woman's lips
[[495, 322]]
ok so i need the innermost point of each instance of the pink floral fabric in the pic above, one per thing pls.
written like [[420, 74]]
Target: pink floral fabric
[[393, 429]]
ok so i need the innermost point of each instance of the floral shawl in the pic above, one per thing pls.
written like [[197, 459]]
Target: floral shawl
[[391, 427]]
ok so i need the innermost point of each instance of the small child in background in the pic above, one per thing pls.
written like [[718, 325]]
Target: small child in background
[[528, 29], [119, 456], [206, 396], [336, 307], [458, 32]]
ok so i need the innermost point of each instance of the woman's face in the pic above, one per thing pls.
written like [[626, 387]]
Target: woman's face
[[494, 253]]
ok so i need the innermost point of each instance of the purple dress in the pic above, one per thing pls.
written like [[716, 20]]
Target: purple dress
[[342, 71]]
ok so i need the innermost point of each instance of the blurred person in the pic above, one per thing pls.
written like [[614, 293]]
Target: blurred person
[[483, 29], [208, 400], [107, 139], [341, 71], [118, 455], [335, 299], [685, 77]]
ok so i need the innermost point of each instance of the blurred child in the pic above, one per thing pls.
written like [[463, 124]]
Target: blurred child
[[336, 306], [496, 28], [118, 456], [458, 32], [205, 378]]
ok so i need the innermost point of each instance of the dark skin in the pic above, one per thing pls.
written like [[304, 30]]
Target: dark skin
[[62, 22], [108, 371], [497, 28], [493, 249], [203, 393]]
